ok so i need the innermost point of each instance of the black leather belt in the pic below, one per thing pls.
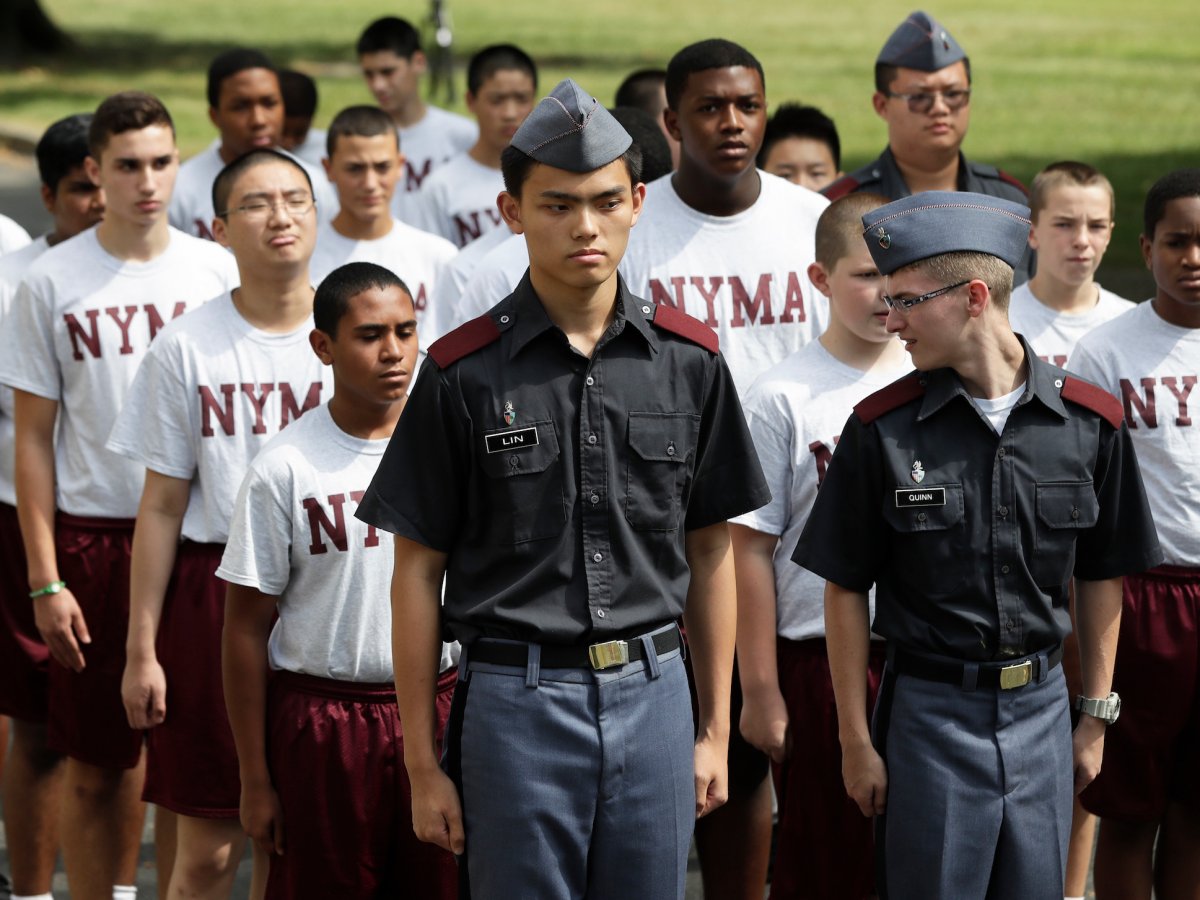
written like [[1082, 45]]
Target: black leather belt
[[1005, 676], [556, 656]]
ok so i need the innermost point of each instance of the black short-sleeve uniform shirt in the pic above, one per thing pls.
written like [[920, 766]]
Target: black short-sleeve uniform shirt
[[971, 537], [561, 486]]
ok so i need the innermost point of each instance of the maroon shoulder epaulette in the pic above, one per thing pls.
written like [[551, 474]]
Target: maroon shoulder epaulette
[[895, 395], [847, 184], [1015, 182], [685, 326], [463, 341], [1094, 398]]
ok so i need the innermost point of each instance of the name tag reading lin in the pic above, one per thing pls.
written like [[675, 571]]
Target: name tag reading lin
[[506, 441], [933, 496]]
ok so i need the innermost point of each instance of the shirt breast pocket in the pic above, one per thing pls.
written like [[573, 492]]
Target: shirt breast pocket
[[662, 449], [1063, 509], [525, 482], [930, 537]]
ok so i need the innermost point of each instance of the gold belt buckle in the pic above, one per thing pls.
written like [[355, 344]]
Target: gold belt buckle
[[609, 654], [1016, 676]]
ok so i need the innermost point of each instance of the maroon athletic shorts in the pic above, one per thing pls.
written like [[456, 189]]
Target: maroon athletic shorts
[[87, 718], [335, 751], [24, 659], [191, 761], [1152, 751], [824, 845]]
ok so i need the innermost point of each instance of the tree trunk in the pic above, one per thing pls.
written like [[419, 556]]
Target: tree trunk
[[27, 32]]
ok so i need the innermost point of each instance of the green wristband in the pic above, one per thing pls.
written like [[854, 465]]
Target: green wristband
[[52, 588]]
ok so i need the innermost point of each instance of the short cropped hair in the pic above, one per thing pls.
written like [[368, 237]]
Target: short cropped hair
[[389, 33], [648, 138], [62, 147], [794, 120], [231, 62], [714, 53], [299, 93], [359, 121], [967, 265], [515, 166], [126, 111], [641, 89], [498, 58], [885, 74], [1067, 172], [223, 184], [840, 228], [1172, 186], [332, 299]]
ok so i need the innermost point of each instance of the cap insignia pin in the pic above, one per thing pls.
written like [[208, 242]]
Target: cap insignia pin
[[885, 239], [510, 414], [945, 41], [918, 472]]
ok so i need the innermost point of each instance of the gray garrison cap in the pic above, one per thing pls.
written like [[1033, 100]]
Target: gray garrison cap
[[920, 42], [571, 130], [936, 222]]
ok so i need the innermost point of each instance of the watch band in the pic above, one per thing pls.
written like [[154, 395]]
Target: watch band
[[1106, 709], [52, 588]]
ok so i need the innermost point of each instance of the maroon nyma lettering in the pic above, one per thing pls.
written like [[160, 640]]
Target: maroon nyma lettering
[[469, 228], [224, 410], [88, 337], [1145, 402], [333, 523], [691, 293]]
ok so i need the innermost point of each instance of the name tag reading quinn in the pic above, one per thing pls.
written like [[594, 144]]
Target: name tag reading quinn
[[506, 441], [934, 496]]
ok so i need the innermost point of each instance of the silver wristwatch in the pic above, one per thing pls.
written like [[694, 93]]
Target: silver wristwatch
[[1105, 710]]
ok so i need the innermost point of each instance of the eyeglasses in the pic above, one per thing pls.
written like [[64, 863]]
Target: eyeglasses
[[922, 101], [296, 207], [907, 303]]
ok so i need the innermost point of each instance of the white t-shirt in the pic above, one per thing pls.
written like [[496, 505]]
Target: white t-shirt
[[191, 208], [1053, 334], [12, 236], [495, 277], [212, 390], [458, 273], [438, 137], [12, 270], [796, 411], [1153, 367], [419, 258], [294, 536], [458, 201], [745, 275], [312, 151], [997, 409], [81, 323]]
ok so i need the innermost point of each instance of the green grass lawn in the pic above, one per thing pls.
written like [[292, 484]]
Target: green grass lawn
[[1076, 78]]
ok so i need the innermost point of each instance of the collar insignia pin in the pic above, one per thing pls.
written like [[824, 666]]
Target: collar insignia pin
[[885, 239], [510, 414], [918, 472]]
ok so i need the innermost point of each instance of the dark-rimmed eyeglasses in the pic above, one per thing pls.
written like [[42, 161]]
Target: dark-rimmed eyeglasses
[[922, 101], [906, 303], [260, 209]]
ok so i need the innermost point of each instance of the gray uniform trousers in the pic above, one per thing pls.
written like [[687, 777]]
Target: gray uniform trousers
[[980, 784], [574, 783]]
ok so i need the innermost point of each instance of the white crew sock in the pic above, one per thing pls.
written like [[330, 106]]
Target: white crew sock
[[124, 892], [46, 896]]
